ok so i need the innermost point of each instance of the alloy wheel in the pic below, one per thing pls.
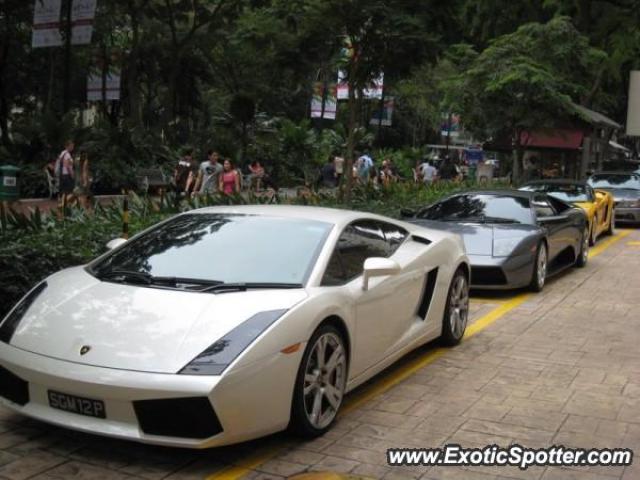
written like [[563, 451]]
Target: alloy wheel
[[585, 247], [324, 380], [459, 306], [542, 265]]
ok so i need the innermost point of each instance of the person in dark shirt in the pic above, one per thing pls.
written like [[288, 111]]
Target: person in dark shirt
[[448, 170], [328, 176]]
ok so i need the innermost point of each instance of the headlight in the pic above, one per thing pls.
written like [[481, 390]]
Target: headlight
[[215, 359], [11, 321], [504, 247], [629, 204]]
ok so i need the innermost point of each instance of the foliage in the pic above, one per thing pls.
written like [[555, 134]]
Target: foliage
[[35, 245]]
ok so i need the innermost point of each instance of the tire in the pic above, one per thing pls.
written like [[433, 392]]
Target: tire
[[592, 233], [456, 312], [313, 412], [611, 230], [539, 276], [583, 254]]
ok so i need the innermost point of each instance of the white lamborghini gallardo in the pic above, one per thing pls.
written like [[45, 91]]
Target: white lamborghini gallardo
[[229, 323]]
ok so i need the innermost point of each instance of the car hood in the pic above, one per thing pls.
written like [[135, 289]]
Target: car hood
[[132, 327], [478, 238]]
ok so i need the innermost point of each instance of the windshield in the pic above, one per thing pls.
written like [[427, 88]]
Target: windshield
[[568, 192], [615, 180], [223, 248], [483, 208]]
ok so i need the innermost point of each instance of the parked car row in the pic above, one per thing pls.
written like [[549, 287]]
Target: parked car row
[[225, 324]]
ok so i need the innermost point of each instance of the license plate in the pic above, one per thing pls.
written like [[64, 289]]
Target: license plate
[[82, 406]]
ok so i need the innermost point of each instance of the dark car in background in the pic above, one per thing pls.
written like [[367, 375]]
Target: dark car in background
[[625, 188], [513, 238]]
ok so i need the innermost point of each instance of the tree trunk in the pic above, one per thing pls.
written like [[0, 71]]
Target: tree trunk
[[352, 105], [135, 112], [518, 155]]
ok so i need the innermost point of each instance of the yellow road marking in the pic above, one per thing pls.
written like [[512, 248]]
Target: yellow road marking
[[602, 246], [487, 301], [633, 244], [379, 386], [233, 472], [386, 382]]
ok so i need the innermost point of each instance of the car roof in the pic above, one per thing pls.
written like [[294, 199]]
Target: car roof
[[557, 181], [617, 172], [508, 192], [328, 215]]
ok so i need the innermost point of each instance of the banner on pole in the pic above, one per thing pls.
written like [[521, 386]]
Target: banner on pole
[[373, 91], [83, 13], [111, 87], [383, 117], [450, 126], [330, 101], [46, 24]]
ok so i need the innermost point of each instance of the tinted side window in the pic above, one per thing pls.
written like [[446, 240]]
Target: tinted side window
[[358, 241], [543, 208], [394, 236]]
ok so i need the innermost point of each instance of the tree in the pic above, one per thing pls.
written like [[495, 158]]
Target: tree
[[523, 80]]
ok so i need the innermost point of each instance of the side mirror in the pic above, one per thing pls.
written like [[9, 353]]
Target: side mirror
[[378, 267], [115, 243]]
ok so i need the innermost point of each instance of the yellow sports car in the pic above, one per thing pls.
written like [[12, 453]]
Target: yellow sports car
[[598, 204]]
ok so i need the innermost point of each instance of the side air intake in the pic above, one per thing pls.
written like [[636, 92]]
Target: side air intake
[[427, 293]]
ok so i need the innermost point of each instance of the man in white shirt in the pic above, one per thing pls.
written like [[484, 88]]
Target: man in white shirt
[[208, 173], [65, 172], [428, 172]]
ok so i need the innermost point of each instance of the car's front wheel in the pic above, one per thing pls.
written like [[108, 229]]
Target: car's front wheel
[[456, 312], [320, 383]]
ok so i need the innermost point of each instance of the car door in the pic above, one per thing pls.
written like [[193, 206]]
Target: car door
[[378, 322], [555, 224], [602, 214]]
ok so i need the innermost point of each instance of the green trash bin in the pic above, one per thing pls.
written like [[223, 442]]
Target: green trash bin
[[9, 185]]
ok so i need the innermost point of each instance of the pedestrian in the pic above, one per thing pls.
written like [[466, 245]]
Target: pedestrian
[[428, 172], [208, 174], [338, 163], [83, 185], [65, 173], [362, 170], [256, 174], [229, 180], [185, 173], [328, 175], [448, 170]]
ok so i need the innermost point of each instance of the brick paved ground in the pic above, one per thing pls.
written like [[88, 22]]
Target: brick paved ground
[[562, 368]]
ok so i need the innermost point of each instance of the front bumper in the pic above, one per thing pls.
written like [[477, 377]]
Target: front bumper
[[243, 401], [500, 273], [624, 214]]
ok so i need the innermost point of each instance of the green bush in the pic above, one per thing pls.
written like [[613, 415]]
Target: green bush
[[34, 245]]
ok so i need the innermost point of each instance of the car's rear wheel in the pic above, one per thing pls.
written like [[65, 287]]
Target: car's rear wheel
[[612, 225], [583, 255], [320, 383], [540, 268], [456, 312], [592, 236]]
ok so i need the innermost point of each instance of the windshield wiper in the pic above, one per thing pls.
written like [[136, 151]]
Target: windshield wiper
[[126, 275], [244, 286], [148, 279]]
